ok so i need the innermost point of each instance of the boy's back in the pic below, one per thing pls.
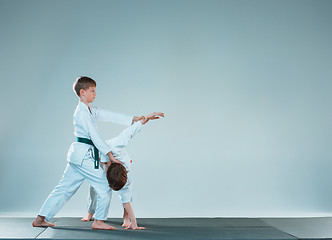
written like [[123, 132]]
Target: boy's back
[[118, 145]]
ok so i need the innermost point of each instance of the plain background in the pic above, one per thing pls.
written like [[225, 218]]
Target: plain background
[[245, 86]]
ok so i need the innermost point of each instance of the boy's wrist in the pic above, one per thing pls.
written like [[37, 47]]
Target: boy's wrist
[[144, 120], [110, 156], [136, 119]]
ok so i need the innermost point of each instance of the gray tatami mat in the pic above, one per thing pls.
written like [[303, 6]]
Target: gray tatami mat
[[11, 227], [304, 228], [162, 228], [200, 222]]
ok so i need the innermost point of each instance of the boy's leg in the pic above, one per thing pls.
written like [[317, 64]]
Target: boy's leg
[[126, 196], [97, 179], [126, 219], [102, 198], [92, 204], [92, 201], [68, 185]]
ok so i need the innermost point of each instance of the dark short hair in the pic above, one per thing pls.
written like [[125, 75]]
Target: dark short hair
[[116, 176], [84, 83]]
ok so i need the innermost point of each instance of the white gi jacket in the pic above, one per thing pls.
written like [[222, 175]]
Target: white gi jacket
[[119, 143], [85, 127], [118, 146]]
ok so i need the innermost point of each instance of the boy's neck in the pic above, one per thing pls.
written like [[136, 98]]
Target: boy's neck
[[86, 103]]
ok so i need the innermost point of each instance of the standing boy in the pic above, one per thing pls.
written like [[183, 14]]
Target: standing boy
[[83, 158]]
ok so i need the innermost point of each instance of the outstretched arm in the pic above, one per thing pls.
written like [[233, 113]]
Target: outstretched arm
[[106, 115], [109, 116], [124, 137]]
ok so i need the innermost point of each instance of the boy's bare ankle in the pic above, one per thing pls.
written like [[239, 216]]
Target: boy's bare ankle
[[87, 217]]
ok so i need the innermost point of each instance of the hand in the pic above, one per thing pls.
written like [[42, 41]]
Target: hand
[[152, 116], [115, 161], [134, 227], [112, 159], [136, 119]]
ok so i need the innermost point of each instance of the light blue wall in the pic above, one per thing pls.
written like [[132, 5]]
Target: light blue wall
[[245, 85]]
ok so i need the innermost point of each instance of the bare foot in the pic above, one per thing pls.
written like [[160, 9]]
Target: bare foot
[[126, 223], [87, 217], [98, 224], [40, 222]]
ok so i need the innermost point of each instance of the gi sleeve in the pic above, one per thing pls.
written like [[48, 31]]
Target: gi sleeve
[[109, 116], [95, 137], [124, 137]]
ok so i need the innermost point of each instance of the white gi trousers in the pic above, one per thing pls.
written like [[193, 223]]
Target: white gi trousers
[[72, 179]]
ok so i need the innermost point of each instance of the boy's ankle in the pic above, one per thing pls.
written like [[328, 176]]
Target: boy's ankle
[[126, 220], [134, 221], [42, 218]]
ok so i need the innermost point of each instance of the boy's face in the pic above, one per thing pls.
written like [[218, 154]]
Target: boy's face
[[89, 95]]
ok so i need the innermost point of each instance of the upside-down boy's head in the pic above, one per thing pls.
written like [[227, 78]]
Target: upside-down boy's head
[[116, 176]]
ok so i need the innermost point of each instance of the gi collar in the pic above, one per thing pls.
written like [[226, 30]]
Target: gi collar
[[83, 106]]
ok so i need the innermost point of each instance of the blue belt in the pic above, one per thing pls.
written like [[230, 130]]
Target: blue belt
[[95, 150]]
